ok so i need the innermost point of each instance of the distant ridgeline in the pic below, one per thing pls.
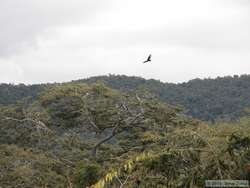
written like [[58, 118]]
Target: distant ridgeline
[[223, 98], [11, 94]]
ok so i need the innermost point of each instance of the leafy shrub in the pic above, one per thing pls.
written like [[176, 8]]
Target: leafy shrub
[[87, 175]]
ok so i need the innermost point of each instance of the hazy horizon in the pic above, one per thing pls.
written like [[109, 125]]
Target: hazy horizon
[[57, 41]]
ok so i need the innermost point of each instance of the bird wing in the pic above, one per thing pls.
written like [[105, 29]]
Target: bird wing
[[149, 58]]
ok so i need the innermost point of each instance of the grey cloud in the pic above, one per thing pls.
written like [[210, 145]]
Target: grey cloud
[[22, 21], [229, 31], [206, 36], [80, 38]]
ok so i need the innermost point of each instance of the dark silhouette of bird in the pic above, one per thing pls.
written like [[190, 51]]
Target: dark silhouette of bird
[[148, 60]]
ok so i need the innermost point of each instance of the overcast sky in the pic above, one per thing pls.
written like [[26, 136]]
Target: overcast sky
[[62, 40]]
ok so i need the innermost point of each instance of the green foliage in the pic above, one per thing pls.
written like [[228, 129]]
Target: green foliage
[[150, 143], [69, 104], [24, 168], [64, 103], [87, 175], [11, 94], [223, 98], [100, 106], [193, 154]]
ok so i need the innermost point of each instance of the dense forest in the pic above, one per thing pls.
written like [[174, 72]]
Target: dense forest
[[223, 98], [91, 135]]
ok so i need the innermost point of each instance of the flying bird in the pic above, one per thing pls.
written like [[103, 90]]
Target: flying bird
[[148, 60]]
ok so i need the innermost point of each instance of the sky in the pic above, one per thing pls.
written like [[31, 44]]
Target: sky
[[60, 40]]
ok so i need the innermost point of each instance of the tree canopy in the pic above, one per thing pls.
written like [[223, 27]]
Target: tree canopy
[[90, 135], [223, 98]]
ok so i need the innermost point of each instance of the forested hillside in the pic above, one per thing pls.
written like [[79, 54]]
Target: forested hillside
[[223, 98], [11, 94], [88, 135]]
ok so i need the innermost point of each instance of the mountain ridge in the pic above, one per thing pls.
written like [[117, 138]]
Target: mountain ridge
[[225, 98]]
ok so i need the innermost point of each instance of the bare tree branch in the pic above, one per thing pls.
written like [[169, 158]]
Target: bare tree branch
[[129, 122], [113, 133], [140, 101], [96, 128], [122, 183]]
